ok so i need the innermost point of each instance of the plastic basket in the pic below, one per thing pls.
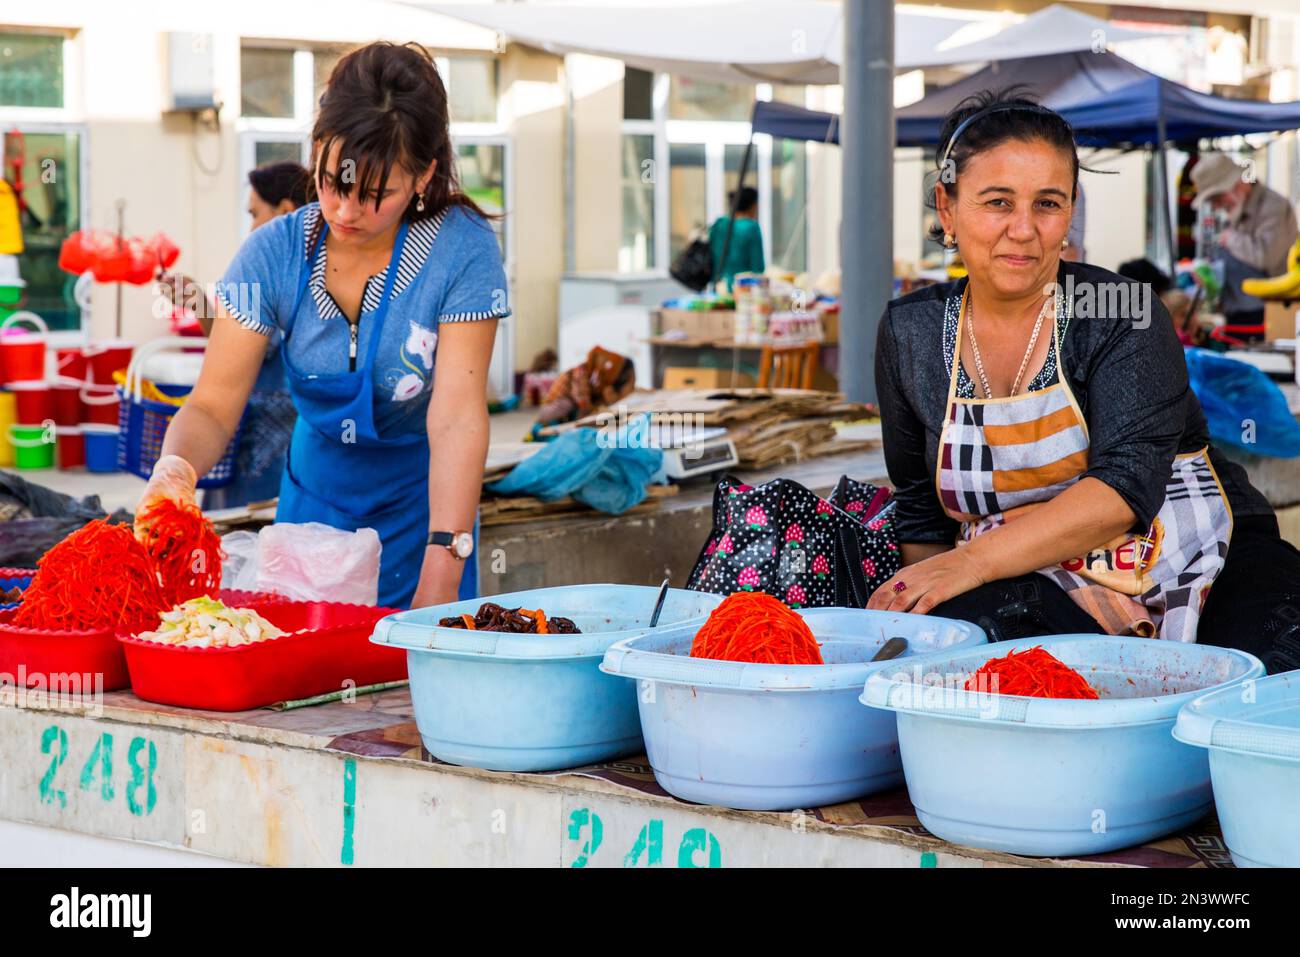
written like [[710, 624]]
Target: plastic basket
[[54, 660], [18, 578], [327, 647], [143, 422]]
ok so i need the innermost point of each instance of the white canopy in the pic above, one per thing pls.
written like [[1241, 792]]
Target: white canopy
[[772, 41]]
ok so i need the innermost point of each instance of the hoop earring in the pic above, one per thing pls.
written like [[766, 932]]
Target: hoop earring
[[419, 204]]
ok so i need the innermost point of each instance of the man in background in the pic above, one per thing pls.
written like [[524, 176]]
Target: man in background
[[1261, 229]]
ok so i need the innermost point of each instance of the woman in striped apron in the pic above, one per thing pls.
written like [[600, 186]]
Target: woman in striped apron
[[1052, 468]]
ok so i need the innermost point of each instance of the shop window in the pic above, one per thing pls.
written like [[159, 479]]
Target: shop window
[[31, 70], [636, 251], [266, 83], [700, 100]]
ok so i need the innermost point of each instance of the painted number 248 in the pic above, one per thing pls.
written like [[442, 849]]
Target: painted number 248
[[141, 758]]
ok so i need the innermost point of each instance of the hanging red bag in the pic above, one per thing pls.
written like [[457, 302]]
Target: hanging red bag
[[162, 250], [75, 255], [143, 264], [112, 258]]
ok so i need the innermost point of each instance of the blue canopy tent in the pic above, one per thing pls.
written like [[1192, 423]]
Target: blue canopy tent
[[1109, 101]]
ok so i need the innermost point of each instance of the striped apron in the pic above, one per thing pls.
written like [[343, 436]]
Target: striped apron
[[1001, 458]]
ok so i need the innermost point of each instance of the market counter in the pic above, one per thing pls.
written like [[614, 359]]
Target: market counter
[[349, 784]]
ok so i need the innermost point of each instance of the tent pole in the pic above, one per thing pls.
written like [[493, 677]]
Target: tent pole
[[570, 160], [735, 202], [1162, 185], [867, 138]]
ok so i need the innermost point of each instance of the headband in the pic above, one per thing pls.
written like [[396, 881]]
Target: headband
[[979, 115]]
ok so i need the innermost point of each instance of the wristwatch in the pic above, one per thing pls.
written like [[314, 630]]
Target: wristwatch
[[460, 544]]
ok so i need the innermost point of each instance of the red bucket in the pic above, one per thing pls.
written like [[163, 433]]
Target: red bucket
[[22, 356], [70, 364], [65, 401], [72, 446], [99, 404], [105, 358], [34, 402]]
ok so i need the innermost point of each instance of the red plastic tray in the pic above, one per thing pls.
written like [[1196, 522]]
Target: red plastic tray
[[328, 645], [235, 598], [42, 654]]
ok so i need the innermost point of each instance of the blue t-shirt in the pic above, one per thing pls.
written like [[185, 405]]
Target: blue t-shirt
[[450, 271]]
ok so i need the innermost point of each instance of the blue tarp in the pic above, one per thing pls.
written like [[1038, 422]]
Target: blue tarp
[[1108, 100], [607, 472], [1243, 407]]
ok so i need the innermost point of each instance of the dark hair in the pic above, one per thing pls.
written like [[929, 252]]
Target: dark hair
[[996, 116], [276, 182], [748, 199], [1145, 271], [385, 105]]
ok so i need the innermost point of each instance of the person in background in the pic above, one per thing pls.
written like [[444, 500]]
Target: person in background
[[1175, 300], [603, 379], [274, 190], [745, 251], [1186, 224], [1261, 230]]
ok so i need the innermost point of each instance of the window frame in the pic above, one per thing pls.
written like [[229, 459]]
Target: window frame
[[714, 136], [71, 81], [21, 118]]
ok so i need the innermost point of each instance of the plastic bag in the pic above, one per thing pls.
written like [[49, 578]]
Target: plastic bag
[[239, 570], [1243, 407], [314, 562], [33, 519], [606, 475]]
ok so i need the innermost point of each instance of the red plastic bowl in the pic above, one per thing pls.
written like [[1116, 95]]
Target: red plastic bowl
[[328, 644], [41, 655]]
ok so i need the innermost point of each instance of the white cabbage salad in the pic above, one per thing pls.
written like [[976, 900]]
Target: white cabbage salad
[[207, 623]]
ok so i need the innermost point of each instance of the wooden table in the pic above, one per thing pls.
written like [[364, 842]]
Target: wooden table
[[668, 351]]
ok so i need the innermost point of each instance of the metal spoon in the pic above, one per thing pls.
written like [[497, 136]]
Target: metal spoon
[[659, 603], [891, 649]]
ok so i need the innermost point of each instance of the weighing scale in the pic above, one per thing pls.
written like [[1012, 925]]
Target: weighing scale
[[690, 450]]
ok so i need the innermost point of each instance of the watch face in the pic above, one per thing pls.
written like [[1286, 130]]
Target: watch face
[[463, 544]]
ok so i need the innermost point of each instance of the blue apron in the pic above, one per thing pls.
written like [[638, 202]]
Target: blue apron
[[340, 472]]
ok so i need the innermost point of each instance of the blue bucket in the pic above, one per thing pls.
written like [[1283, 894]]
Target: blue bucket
[[101, 447], [775, 737], [1051, 777], [531, 702], [1252, 732]]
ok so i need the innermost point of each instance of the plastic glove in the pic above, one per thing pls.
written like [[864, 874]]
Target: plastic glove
[[172, 478]]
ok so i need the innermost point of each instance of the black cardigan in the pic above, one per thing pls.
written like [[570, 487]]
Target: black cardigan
[[1129, 377]]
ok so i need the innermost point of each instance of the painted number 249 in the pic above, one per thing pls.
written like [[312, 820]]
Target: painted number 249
[[699, 846], [141, 758]]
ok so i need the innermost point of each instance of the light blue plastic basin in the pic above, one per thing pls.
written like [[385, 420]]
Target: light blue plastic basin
[[774, 737], [1252, 732], [531, 702], [1049, 777]]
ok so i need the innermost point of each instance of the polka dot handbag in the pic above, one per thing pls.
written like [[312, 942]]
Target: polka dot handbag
[[810, 552]]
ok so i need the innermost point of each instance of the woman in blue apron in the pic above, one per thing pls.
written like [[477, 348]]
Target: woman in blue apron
[[393, 268]]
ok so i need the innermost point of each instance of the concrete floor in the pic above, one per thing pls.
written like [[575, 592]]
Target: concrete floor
[[122, 489]]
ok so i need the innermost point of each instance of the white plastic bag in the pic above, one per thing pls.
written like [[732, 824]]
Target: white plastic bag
[[311, 562], [239, 570], [314, 562]]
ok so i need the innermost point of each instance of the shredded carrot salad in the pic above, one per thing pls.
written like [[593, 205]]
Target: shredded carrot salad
[[757, 628], [99, 577], [184, 547], [1034, 673]]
